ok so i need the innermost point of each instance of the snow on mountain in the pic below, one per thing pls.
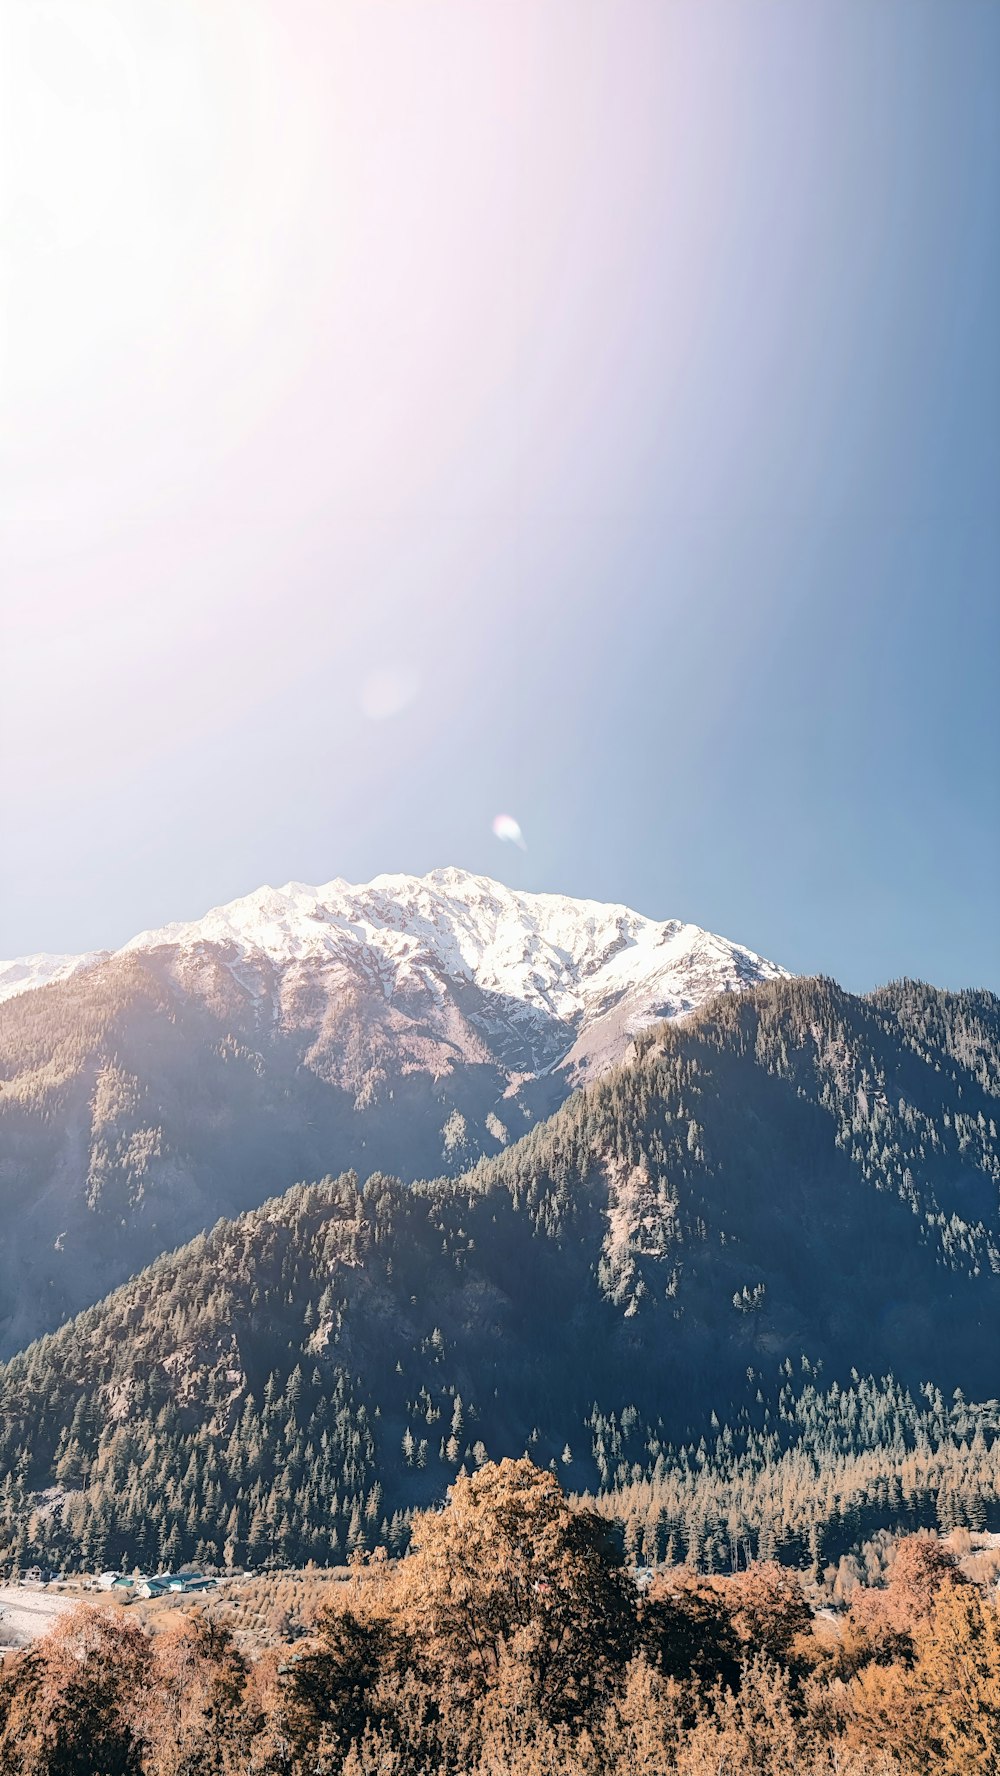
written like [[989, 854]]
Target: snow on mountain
[[597, 971], [25, 972]]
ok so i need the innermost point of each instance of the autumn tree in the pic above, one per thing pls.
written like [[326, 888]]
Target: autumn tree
[[687, 1633], [768, 1610], [193, 1721], [958, 1666], [336, 1683], [67, 1705], [507, 1568], [883, 1621]]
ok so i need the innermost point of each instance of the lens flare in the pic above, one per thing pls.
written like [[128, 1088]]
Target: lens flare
[[505, 827], [387, 692]]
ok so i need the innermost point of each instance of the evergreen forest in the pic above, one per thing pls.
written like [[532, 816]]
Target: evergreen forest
[[741, 1295]]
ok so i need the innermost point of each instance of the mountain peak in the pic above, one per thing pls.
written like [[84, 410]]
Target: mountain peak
[[406, 1025], [564, 959]]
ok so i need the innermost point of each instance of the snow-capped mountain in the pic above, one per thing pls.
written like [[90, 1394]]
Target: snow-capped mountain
[[25, 972], [546, 977], [408, 1026]]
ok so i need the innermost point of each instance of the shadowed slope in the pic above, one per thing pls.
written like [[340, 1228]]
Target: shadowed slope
[[795, 1172]]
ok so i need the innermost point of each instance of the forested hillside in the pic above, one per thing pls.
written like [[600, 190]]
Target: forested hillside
[[133, 1112], [673, 1291], [409, 1025]]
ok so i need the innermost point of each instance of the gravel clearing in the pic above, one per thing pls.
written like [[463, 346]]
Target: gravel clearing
[[26, 1614]]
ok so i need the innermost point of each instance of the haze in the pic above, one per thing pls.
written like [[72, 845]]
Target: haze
[[584, 413]]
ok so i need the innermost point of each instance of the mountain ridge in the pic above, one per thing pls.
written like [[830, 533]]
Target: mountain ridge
[[792, 1182], [560, 955], [409, 1025]]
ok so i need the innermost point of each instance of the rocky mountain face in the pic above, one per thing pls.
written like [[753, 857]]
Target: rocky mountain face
[[790, 1186], [410, 1025]]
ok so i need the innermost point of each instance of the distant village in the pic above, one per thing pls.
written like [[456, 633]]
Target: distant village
[[132, 1585]]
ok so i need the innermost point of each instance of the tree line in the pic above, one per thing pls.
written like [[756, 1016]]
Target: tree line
[[513, 1640], [676, 1292]]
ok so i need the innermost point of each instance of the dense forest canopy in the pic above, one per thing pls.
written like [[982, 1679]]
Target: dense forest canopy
[[137, 1104], [513, 1641], [677, 1291]]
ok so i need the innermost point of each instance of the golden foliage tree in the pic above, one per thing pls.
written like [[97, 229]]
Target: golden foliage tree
[[510, 1570]]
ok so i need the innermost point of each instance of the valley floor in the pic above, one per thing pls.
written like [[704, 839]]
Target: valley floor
[[27, 1613]]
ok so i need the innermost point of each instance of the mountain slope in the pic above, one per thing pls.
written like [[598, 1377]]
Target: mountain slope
[[795, 1174], [408, 1025], [24, 973]]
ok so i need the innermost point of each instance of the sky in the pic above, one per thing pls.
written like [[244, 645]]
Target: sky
[[581, 410]]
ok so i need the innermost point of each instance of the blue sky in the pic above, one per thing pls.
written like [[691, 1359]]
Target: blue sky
[[621, 382]]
